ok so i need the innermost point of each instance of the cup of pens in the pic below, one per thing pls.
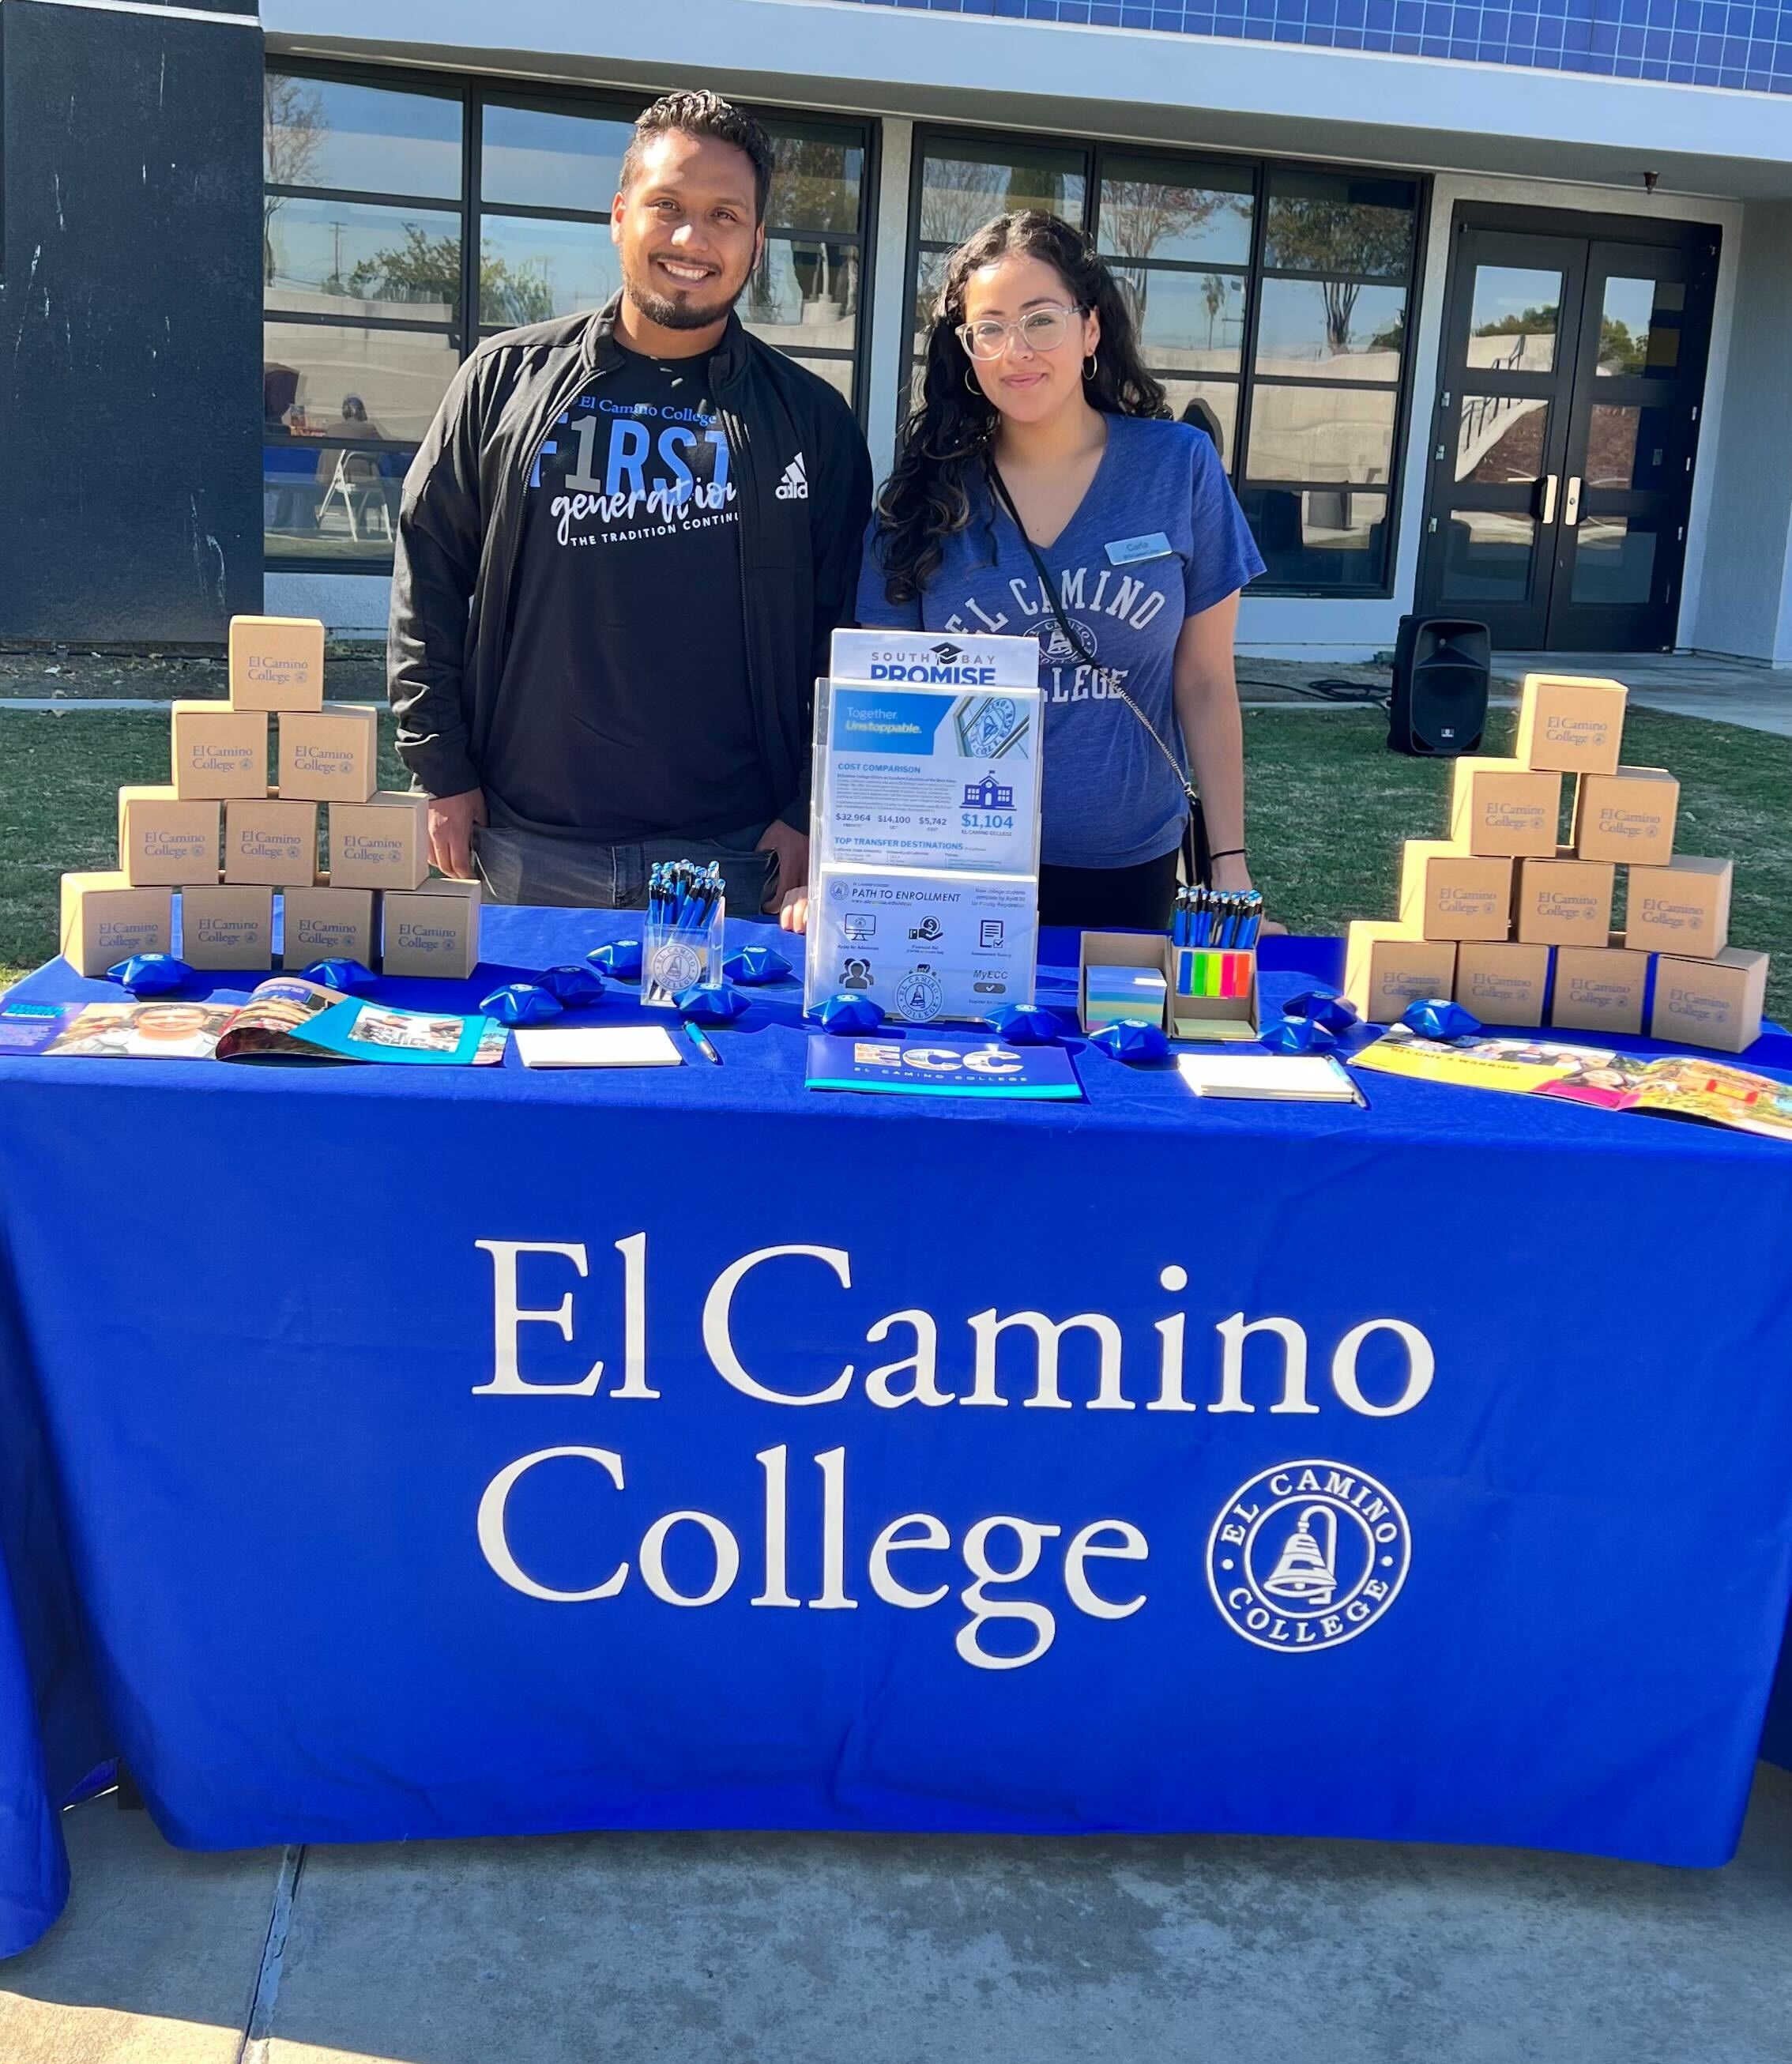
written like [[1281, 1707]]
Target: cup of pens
[[1215, 935], [681, 944]]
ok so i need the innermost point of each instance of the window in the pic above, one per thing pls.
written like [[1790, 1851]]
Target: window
[[361, 237], [406, 217], [1272, 303]]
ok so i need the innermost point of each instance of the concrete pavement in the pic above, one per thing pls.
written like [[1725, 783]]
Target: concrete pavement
[[835, 1949]]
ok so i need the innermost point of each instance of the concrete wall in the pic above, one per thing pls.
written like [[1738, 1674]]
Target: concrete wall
[[1745, 605]]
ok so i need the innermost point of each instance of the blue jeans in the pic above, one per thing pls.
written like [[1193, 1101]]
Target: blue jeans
[[523, 867]]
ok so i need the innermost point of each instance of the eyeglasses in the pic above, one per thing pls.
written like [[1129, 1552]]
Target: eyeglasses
[[1039, 329]]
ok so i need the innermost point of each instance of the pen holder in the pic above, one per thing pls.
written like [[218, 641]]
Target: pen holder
[[1213, 992], [675, 957]]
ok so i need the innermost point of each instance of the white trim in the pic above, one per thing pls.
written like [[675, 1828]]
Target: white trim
[[886, 368], [1219, 92], [155, 13]]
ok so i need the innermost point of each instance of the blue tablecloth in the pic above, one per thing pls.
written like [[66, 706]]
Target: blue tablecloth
[[435, 1452]]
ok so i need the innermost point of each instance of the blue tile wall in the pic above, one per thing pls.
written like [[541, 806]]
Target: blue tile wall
[[1691, 42]]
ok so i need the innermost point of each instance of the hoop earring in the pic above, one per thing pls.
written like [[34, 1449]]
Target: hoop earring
[[971, 386], [1091, 368]]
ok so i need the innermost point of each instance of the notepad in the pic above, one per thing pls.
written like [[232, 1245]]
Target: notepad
[[1278, 1077], [597, 1047]]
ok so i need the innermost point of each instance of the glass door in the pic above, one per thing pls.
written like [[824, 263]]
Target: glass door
[[1628, 473], [1568, 412], [1499, 453]]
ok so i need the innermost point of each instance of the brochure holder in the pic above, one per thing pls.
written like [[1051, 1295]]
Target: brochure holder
[[924, 827]]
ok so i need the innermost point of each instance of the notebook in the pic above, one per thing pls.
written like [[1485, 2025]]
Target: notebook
[[1278, 1078], [597, 1047]]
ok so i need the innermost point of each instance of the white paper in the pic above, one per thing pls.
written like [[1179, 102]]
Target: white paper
[[1304, 1077], [924, 944], [597, 1047], [926, 776], [933, 658]]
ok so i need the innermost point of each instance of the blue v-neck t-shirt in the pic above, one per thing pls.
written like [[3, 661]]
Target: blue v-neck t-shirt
[[1111, 800]]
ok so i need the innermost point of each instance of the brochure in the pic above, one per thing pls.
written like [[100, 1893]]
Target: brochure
[[923, 944], [930, 777], [285, 1019], [941, 1067], [1683, 1086]]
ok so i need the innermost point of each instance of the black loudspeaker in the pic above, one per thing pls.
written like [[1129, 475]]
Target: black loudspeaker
[[1441, 669]]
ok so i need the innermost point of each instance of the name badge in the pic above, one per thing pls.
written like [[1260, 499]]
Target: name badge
[[1130, 551]]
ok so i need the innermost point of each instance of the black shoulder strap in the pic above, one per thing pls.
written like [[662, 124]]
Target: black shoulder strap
[[1197, 862]]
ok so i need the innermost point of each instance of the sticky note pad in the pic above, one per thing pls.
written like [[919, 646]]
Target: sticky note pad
[[1111, 994]]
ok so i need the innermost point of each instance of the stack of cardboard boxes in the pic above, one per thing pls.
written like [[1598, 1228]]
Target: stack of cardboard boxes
[[1518, 927], [229, 843]]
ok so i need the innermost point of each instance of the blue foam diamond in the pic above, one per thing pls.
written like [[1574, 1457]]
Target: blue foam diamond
[[350, 976], [720, 1005], [1333, 1012], [848, 1012], [1438, 1018], [578, 988], [1300, 1035], [621, 958], [754, 965], [520, 1003], [1026, 1025], [150, 974], [1132, 1039]]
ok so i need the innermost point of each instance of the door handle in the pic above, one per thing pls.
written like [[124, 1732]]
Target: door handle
[[1546, 497], [1571, 513]]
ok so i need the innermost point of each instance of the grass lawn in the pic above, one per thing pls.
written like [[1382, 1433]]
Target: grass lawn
[[1329, 806]]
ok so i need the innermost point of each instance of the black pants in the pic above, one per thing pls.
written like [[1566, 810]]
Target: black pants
[[1110, 899]]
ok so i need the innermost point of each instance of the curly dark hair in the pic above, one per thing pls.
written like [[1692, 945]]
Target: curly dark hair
[[946, 443], [696, 111]]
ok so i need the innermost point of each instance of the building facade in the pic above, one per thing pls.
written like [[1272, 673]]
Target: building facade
[[1486, 308]]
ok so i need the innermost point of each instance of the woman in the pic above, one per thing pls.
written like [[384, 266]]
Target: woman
[[1038, 471]]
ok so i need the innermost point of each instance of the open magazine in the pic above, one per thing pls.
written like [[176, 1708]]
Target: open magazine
[[1667, 1086], [285, 1019]]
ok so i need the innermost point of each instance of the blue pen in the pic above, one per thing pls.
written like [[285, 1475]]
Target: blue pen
[[701, 1040]]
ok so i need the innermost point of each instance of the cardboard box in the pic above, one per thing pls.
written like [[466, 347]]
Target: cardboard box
[[924, 944], [270, 840], [217, 752], [106, 919], [227, 924], [1565, 902], [383, 842], [1446, 893], [329, 755], [1627, 816], [1503, 983], [1185, 1012], [1716, 1002], [432, 930], [1681, 908], [1571, 722], [162, 839], [276, 662], [324, 922], [1599, 989], [1501, 810], [1386, 967]]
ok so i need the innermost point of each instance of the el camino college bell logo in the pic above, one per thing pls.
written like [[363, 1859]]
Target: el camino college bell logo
[[1307, 1555]]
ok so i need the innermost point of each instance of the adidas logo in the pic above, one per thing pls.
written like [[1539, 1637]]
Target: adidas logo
[[795, 486]]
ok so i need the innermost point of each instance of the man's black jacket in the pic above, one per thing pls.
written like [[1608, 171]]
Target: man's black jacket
[[454, 569]]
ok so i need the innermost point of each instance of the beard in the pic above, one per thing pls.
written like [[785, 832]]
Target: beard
[[684, 312]]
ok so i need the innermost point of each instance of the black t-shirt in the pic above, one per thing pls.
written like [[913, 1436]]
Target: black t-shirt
[[625, 712]]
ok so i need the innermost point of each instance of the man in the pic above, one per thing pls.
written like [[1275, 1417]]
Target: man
[[622, 548]]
